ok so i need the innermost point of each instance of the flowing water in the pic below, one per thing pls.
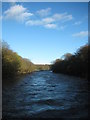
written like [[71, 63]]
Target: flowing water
[[45, 94]]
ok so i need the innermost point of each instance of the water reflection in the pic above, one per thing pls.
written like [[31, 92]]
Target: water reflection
[[45, 94]]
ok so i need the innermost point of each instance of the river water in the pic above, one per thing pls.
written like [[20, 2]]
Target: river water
[[45, 95]]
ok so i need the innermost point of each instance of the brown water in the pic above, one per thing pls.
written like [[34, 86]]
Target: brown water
[[46, 95]]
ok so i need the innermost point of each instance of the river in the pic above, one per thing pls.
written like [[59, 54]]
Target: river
[[45, 94]]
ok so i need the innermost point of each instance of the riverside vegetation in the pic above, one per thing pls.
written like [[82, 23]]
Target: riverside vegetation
[[72, 64], [13, 64]]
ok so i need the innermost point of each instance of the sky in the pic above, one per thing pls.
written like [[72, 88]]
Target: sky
[[43, 32], [45, 0]]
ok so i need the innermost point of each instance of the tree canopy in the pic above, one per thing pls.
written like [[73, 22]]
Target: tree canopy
[[73, 64], [13, 64]]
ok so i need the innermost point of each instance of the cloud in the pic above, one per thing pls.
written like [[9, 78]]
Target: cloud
[[63, 16], [48, 20], [41, 23], [51, 26], [17, 12], [21, 14], [51, 22], [34, 22], [77, 23], [44, 12], [81, 34], [58, 17]]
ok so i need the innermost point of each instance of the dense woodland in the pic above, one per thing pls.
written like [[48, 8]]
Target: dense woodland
[[13, 64], [73, 64]]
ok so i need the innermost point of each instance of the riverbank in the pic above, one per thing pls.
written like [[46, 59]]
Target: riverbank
[[73, 64], [70, 75], [13, 64]]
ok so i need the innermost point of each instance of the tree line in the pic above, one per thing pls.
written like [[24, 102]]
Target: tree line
[[13, 64], [73, 64]]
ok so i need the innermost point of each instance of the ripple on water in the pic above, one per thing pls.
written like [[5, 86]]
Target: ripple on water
[[45, 94]]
